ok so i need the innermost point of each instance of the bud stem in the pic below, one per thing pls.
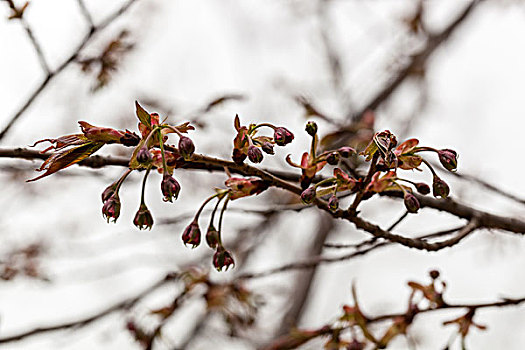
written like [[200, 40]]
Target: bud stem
[[262, 124], [220, 218], [144, 186], [161, 144], [201, 208], [430, 167], [120, 181]]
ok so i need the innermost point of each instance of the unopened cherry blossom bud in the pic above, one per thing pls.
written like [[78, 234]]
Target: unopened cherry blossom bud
[[422, 188], [308, 195], [255, 154], [449, 159], [130, 139], [332, 158], [222, 259], [143, 218], [186, 147], [411, 203], [440, 188], [311, 128], [111, 208], [267, 148], [212, 236], [333, 203], [192, 234], [143, 155], [170, 187], [282, 136]]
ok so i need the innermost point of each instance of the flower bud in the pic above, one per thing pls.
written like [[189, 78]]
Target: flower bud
[[111, 208], [255, 154], [130, 139], [411, 203], [170, 187], [282, 136], [212, 237], [305, 181], [434, 274], [449, 159], [308, 196], [222, 259], [333, 203], [422, 188], [108, 192], [267, 148], [143, 218], [238, 157], [346, 151], [440, 188], [311, 128], [192, 234], [186, 147], [332, 158], [143, 155]]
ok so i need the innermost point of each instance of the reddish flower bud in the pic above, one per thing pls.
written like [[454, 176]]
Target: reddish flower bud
[[311, 128], [130, 139], [411, 203], [282, 136], [192, 234], [186, 147], [333, 203], [267, 148], [143, 155], [143, 218], [108, 192], [332, 158], [111, 208], [222, 259], [308, 196], [255, 154], [346, 151], [170, 187], [212, 237], [434, 274], [422, 188], [449, 159], [440, 188], [238, 157]]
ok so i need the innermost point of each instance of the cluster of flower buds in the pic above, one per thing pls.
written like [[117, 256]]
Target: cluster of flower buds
[[247, 145]]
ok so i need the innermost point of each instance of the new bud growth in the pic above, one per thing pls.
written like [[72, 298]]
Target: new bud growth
[[440, 188], [311, 128], [449, 159], [222, 259], [332, 158], [254, 154], [267, 148], [434, 274], [411, 203], [282, 136], [422, 188], [212, 237], [130, 139], [333, 203], [170, 187], [192, 234], [186, 147], [346, 151], [308, 195], [143, 218], [108, 192], [143, 155], [111, 208]]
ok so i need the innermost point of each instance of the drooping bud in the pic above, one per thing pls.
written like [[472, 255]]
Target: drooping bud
[[143, 156], [267, 148], [449, 159], [346, 151], [333, 203], [130, 139], [186, 147], [238, 157], [440, 188], [411, 203], [332, 158], [212, 237], [143, 218], [108, 192], [111, 208], [192, 234], [311, 128], [254, 154], [222, 259], [282, 136], [170, 187], [308, 195], [422, 188]]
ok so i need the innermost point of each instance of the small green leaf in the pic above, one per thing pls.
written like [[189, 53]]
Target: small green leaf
[[144, 117]]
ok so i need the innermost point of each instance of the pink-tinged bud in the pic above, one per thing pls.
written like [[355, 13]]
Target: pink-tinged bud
[[130, 139], [308, 195], [411, 203], [170, 187], [346, 151], [186, 147], [222, 259], [143, 156], [108, 192], [449, 159], [422, 188], [143, 218], [238, 157], [332, 158], [440, 188], [111, 208], [282, 136], [192, 234], [212, 237], [333, 203], [254, 154], [311, 128], [267, 148]]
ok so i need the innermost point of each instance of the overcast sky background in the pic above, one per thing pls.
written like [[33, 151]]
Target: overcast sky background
[[188, 52]]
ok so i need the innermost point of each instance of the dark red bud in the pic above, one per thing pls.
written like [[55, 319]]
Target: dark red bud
[[305, 181], [332, 158], [170, 187], [192, 234], [143, 155], [108, 192], [449, 159], [422, 188], [111, 208], [255, 154], [440, 188], [238, 157], [333, 203], [130, 139], [267, 148], [346, 151], [411, 203], [222, 259], [143, 218], [311, 128], [212, 237], [434, 274], [308, 195], [186, 147], [282, 136]]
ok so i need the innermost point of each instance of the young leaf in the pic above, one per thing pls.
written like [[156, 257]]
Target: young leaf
[[144, 117]]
